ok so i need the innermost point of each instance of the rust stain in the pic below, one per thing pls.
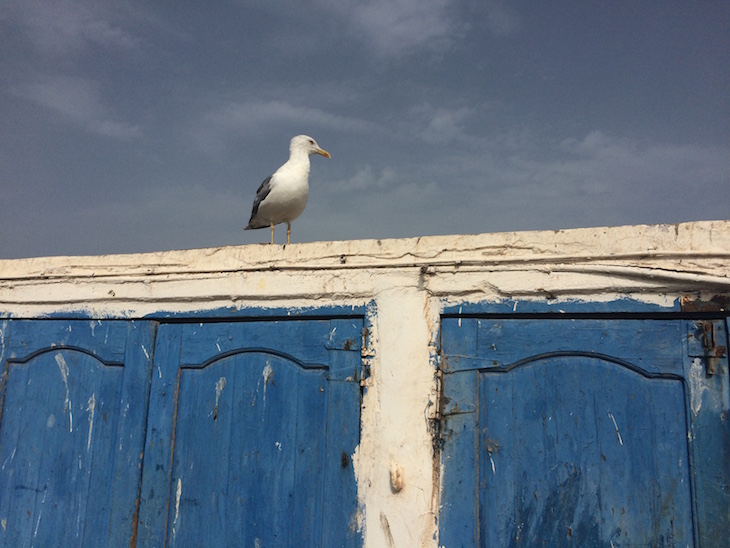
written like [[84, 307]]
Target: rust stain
[[135, 520], [716, 303]]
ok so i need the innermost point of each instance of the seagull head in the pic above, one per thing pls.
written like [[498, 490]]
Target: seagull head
[[304, 143]]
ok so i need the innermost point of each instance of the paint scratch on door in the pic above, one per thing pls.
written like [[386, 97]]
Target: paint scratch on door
[[91, 409], [37, 524], [10, 458], [618, 434], [63, 367]]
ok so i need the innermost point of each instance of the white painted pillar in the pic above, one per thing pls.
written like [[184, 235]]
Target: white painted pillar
[[394, 464]]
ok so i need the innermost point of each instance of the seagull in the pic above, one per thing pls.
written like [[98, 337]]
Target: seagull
[[282, 197]]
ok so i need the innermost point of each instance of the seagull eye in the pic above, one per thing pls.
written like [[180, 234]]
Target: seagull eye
[[311, 142]]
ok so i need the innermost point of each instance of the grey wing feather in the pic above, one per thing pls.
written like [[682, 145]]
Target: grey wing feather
[[261, 193]]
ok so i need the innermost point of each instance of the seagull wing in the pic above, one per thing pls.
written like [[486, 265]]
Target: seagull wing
[[261, 193]]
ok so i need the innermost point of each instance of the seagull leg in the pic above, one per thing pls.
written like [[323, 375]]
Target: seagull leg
[[272, 233], [288, 232]]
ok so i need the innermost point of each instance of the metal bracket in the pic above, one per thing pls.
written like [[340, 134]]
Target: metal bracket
[[706, 339]]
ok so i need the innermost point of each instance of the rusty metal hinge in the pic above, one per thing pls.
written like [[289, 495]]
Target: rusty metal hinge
[[706, 339]]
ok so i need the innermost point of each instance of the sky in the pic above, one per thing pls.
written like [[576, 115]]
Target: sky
[[134, 126]]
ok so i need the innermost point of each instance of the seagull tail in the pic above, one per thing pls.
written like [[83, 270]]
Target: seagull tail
[[252, 225]]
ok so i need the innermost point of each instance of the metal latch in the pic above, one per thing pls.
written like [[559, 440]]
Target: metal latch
[[706, 339]]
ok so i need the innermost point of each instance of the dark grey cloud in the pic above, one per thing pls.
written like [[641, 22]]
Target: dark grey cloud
[[142, 127]]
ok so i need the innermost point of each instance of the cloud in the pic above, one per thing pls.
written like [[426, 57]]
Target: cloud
[[78, 100], [524, 180], [595, 179], [255, 114], [263, 117], [397, 28], [363, 180], [440, 125], [394, 28], [60, 27]]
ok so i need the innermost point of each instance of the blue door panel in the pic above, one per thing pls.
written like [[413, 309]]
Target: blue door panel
[[105, 339], [243, 450], [709, 409], [257, 421], [581, 432], [580, 464], [73, 398], [473, 343], [305, 338]]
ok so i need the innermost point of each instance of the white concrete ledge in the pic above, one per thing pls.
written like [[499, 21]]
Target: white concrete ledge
[[648, 260]]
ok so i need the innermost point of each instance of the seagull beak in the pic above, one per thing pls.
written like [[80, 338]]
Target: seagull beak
[[323, 152]]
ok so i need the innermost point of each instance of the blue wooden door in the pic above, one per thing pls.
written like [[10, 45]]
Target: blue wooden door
[[251, 430], [584, 432], [73, 408]]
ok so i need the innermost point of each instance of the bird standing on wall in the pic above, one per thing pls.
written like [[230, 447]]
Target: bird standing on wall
[[282, 197]]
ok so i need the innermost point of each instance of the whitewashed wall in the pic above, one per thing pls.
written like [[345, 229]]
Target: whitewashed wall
[[405, 283]]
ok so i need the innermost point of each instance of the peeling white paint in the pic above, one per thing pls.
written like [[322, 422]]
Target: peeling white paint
[[144, 350], [63, 367], [178, 495], [219, 386], [267, 373], [91, 409], [697, 385], [278, 445]]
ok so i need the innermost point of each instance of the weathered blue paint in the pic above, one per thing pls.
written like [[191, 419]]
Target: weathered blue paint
[[116, 433], [71, 430], [573, 306], [252, 427], [582, 432], [229, 312]]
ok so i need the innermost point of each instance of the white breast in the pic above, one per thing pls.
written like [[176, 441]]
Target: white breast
[[289, 193]]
